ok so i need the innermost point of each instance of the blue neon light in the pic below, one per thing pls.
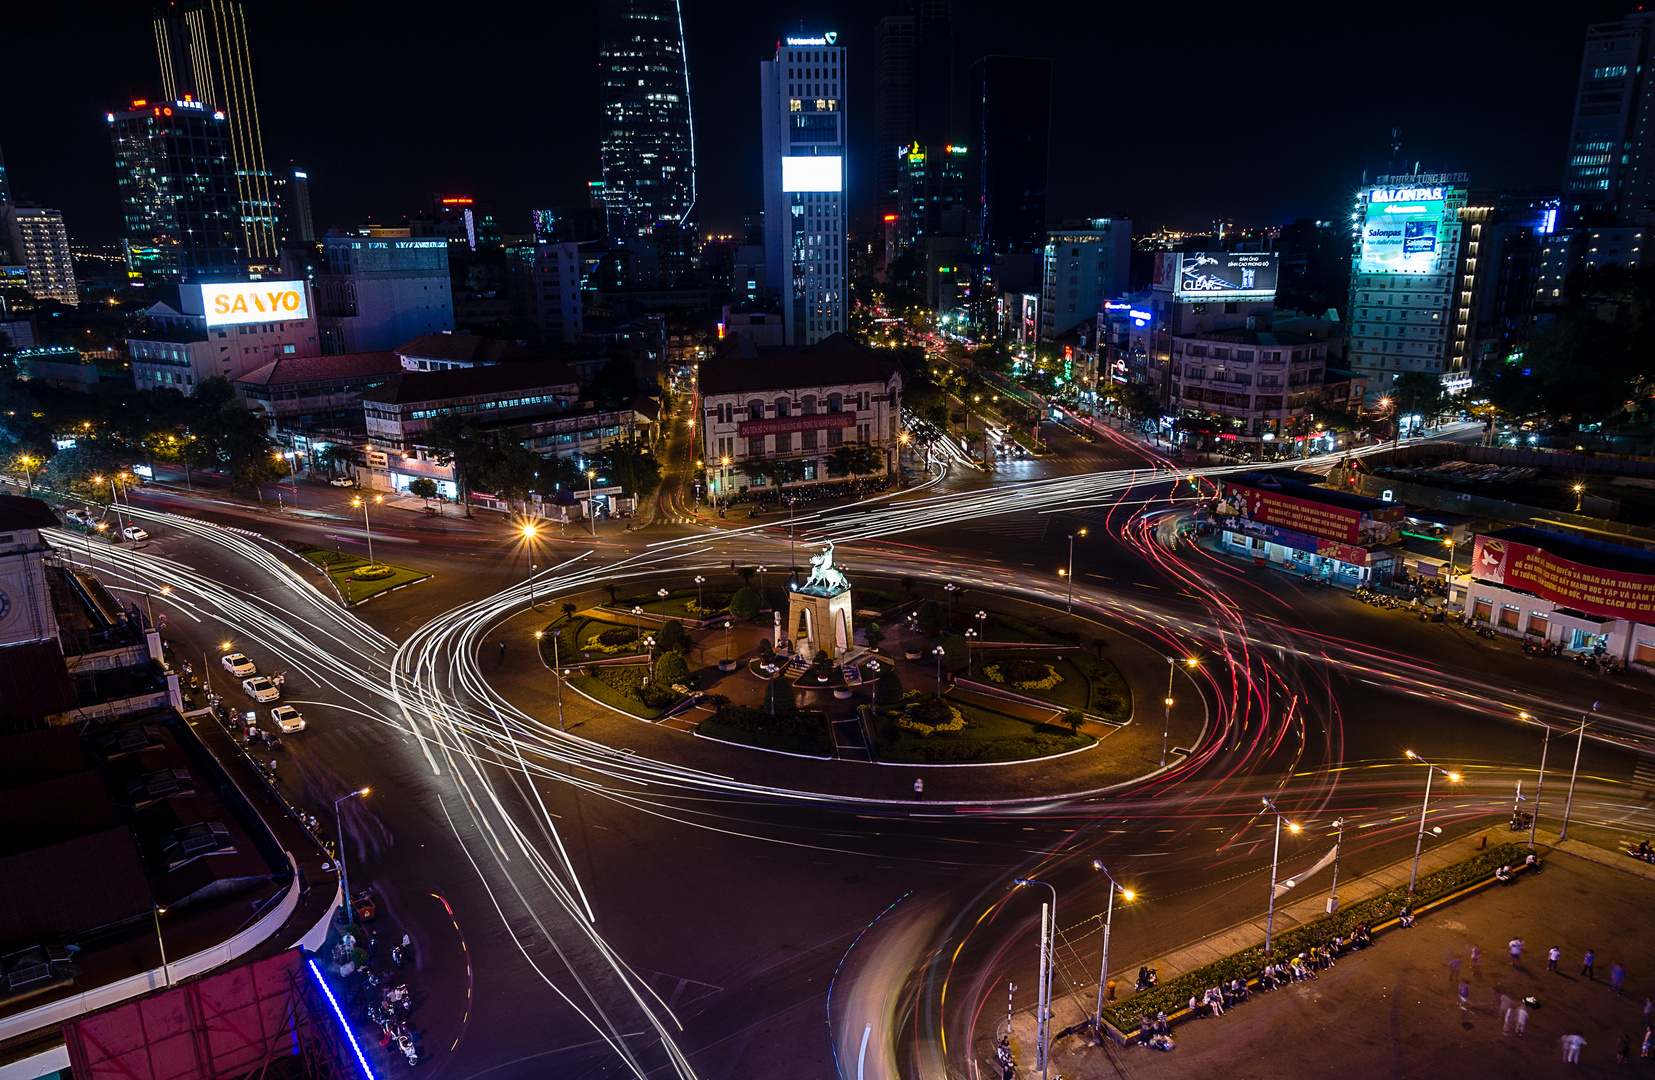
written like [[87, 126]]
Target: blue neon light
[[349, 1034]]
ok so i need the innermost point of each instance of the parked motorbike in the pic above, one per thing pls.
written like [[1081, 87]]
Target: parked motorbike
[[1486, 632], [1641, 850], [1521, 821]]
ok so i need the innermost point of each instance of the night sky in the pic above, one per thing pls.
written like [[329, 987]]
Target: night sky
[[1171, 113]]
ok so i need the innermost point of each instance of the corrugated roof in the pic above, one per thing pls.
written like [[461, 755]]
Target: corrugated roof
[[40, 755], [21, 512], [303, 369], [462, 348], [34, 683], [741, 367], [412, 387], [68, 889]]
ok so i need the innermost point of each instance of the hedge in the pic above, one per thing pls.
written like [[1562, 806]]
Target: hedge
[[760, 722], [1173, 996]]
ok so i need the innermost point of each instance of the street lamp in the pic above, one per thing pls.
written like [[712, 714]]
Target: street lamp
[[591, 474], [529, 531], [937, 652], [761, 570], [1338, 844], [1450, 543], [557, 669], [1419, 841], [637, 622], [950, 589], [1580, 740], [699, 606], [1275, 861], [1580, 489], [366, 524], [1103, 969], [339, 831], [28, 478], [1192, 663], [726, 641], [1070, 605], [166, 971], [649, 657], [1043, 1009], [969, 635]]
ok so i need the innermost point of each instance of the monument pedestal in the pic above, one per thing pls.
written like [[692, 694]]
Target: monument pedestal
[[819, 613]]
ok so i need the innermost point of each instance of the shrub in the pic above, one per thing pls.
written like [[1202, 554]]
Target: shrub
[[887, 687], [954, 651], [931, 716], [618, 635], [1023, 674], [792, 722], [931, 617], [745, 603], [778, 697], [670, 669], [711, 604], [873, 635], [672, 636]]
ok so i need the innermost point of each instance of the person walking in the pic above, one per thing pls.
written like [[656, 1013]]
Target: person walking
[[1553, 957], [1453, 969], [1571, 1048], [1508, 1014], [1617, 977], [1649, 1012], [1476, 960], [919, 789], [1522, 1018], [1516, 952], [1588, 965], [1649, 1042], [1465, 996]]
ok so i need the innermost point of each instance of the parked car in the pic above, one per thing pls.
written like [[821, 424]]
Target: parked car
[[238, 665], [260, 688], [132, 532], [287, 719], [342, 481]]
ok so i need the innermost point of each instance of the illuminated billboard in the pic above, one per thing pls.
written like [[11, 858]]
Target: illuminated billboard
[[1225, 275], [1406, 230], [812, 174], [253, 301]]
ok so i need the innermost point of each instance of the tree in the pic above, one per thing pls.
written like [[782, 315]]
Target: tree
[[560, 474], [778, 697], [510, 469], [931, 618], [333, 456], [672, 637], [757, 470], [631, 465], [453, 441], [423, 487], [671, 669], [1072, 719], [855, 459], [568, 609], [873, 635], [887, 686], [953, 652], [1418, 392], [745, 603], [616, 385]]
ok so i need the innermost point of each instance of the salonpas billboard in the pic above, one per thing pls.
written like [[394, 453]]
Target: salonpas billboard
[[1407, 230]]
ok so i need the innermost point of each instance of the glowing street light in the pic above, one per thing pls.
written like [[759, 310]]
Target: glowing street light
[[1275, 861], [1419, 841], [1192, 663], [1103, 967]]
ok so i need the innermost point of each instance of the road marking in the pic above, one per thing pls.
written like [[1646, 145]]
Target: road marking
[[863, 1053]]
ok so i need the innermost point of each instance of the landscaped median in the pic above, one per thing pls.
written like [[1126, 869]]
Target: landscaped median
[[355, 578], [1376, 913]]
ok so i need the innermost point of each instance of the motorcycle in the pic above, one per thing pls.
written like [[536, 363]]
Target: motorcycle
[[1641, 850], [1485, 632], [1521, 821]]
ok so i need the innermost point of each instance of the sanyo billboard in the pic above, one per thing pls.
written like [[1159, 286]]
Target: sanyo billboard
[[253, 301]]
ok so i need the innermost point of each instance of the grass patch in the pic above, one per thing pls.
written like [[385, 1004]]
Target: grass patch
[[680, 604], [577, 631], [987, 736], [622, 687], [803, 732], [1093, 686], [354, 577]]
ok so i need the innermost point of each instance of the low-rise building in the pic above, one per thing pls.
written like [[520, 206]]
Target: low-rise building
[[375, 292], [447, 351], [796, 404], [1286, 521], [172, 345], [1246, 384], [307, 397]]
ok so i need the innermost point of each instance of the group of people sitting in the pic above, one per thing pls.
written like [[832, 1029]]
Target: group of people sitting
[[1214, 1000]]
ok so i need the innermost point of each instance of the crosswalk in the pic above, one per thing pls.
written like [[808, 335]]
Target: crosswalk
[[1643, 774]]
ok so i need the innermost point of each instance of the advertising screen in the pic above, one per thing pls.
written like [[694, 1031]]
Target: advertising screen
[[253, 301], [812, 174], [1224, 275], [1608, 593], [1404, 232]]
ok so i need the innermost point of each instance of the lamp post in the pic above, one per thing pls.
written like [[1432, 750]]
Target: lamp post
[[792, 559], [28, 478], [969, 669], [1580, 740], [366, 524], [726, 641], [529, 531], [950, 589], [649, 658], [699, 606], [1275, 861], [761, 571], [1424, 808], [982, 626], [1166, 723], [937, 652], [1338, 845], [1043, 1010], [637, 622], [557, 669], [1449, 542], [591, 474], [339, 831], [1103, 968], [1069, 605], [166, 971]]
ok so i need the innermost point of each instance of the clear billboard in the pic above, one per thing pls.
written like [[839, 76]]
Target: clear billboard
[[1405, 231], [812, 174], [253, 301], [1225, 275]]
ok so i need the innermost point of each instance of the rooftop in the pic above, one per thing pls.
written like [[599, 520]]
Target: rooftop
[[1602, 554], [412, 387], [21, 512], [292, 370], [740, 367], [463, 349], [1298, 489], [1284, 338]]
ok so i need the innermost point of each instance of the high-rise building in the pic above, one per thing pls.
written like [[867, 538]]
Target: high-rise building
[[933, 193], [1086, 264], [296, 222], [175, 170], [1611, 155], [202, 45], [805, 137], [1011, 104], [377, 292], [39, 243], [648, 134], [893, 106], [1412, 283]]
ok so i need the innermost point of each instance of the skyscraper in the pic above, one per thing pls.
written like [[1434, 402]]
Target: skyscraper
[[803, 115], [297, 226], [202, 45], [1011, 104], [1607, 176], [648, 136], [39, 242], [913, 91], [175, 169]]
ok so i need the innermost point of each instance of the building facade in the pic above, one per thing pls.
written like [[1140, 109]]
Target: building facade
[[1247, 385], [1084, 266], [805, 139], [648, 125], [1304, 528], [305, 398], [376, 292], [175, 170], [204, 54], [798, 405], [1011, 104], [1607, 177], [556, 292], [39, 242], [173, 346]]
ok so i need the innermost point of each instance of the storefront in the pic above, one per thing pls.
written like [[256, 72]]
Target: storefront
[[1303, 528]]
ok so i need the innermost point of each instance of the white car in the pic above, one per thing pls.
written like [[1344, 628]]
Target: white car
[[238, 665], [287, 719], [260, 688], [132, 532], [342, 481]]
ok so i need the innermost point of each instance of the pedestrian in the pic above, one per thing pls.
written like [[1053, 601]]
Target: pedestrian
[[1649, 1012], [1508, 1013], [1571, 1048], [1623, 1048], [1454, 969], [502, 650], [1649, 1042], [1553, 957], [1588, 965], [373, 945], [1465, 996], [1517, 952], [1476, 960], [1617, 977], [919, 789], [1522, 1018]]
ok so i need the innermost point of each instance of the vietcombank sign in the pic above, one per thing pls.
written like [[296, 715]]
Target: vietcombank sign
[[253, 301]]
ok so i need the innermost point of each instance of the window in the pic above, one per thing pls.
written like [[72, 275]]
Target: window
[[755, 446], [835, 403], [784, 442], [755, 410], [807, 440], [835, 437], [807, 407], [781, 406]]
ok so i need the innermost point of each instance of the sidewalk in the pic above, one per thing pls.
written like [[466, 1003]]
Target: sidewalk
[[1392, 1010]]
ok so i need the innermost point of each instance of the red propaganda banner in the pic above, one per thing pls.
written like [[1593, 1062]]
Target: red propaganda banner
[[1345, 553], [1300, 515], [819, 422], [1610, 593]]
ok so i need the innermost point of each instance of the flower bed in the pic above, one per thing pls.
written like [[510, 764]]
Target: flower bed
[[1172, 996], [932, 716], [803, 732], [615, 639], [1023, 674]]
